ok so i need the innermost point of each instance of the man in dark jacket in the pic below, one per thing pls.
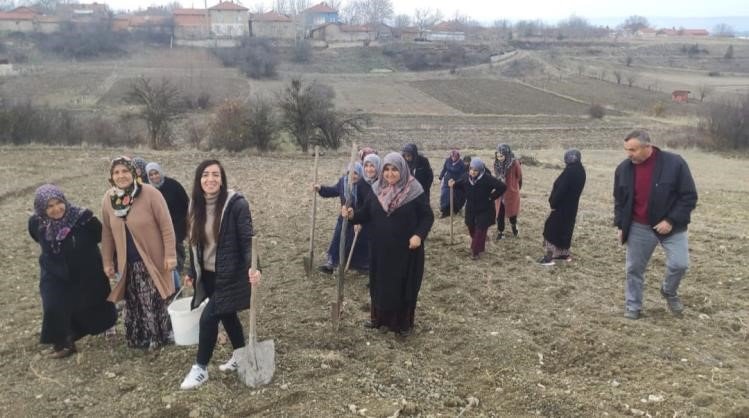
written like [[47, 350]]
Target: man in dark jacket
[[419, 167], [654, 195]]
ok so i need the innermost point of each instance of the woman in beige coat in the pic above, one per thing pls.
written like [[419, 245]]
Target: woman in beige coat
[[138, 229]]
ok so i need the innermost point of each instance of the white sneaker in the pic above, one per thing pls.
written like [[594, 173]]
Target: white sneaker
[[195, 378], [232, 364]]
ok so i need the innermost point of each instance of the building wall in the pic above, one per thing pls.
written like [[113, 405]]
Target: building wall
[[229, 23], [47, 27], [191, 32], [278, 30], [16, 26], [446, 36]]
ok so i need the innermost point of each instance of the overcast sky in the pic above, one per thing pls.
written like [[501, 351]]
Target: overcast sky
[[547, 10]]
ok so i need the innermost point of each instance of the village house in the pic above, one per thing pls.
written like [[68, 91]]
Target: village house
[[680, 96], [338, 32], [318, 15], [229, 20], [451, 31], [191, 24], [407, 34], [272, 25], [20, 19], [48, 24], [82, 16]]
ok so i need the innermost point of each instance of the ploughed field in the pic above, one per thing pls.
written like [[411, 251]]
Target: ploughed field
[[499, 336]]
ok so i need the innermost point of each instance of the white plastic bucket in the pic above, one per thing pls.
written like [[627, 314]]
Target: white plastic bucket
[[185, 322]]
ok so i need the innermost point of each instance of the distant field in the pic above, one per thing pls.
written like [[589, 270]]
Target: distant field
[[618, 96], [498, 97]]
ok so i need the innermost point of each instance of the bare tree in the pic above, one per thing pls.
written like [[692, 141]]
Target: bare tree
[[402, 21], [723, 30], [159, 108], [333, 128], [628, 60], [7, 4], [631, 78], [618, 76], [371, 12], [425, 19], [703, 90], [282, 6], [634, 23]]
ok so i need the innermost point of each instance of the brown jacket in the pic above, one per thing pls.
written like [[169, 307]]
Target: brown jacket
[[151, 227]]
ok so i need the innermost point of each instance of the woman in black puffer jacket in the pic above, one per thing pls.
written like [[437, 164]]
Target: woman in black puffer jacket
[[220, 254]]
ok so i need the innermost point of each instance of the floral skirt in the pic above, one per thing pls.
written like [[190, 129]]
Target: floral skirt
[[147, 323]]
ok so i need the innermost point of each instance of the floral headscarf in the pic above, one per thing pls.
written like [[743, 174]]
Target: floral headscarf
[[140, 164], [373, 159], [454, 156], [502, 167], [392, 197], [366, 151], [54, 231], [122, 199]]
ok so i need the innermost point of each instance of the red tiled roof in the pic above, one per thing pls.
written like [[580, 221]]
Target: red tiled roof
[[24, 9], [16, 16], [271, 16], [320, 8], [451, 26], [225, 5], [697, 32], [194, 12], [48, 19]]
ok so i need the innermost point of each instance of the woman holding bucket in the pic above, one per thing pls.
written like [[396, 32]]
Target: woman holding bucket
[[220, 255], [137, 229]]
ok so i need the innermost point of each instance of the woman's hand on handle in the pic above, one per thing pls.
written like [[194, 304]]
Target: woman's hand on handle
[[188, 280], [347, 212], [414, 242], [254, 276]]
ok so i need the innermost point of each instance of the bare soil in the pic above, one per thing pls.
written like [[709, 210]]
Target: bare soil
[[496, 337]]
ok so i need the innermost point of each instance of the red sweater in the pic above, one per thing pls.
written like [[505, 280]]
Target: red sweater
[[643, 182]]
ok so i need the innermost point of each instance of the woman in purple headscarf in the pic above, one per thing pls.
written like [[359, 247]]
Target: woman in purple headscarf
[[72, 283], [400, 218]]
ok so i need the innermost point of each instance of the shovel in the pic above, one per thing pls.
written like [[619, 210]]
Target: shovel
[[351, 252], [310, 258], [257, 360], [337, 307], [451, 215]]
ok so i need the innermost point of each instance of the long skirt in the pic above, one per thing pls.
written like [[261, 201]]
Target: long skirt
[[64, 320], [147, 322], [459, 199], [395, 320]]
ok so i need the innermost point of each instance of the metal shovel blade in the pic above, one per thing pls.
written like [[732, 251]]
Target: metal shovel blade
[[257, 363], [307, 266]]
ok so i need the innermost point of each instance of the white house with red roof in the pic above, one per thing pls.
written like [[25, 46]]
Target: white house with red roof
[[318, 15], [272, 25], [229, 20]]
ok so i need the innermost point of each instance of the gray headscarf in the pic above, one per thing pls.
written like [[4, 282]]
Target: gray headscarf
[[392, 197], [375, 160], [572, 156], [477, 164], [502, 167], [155, 166]]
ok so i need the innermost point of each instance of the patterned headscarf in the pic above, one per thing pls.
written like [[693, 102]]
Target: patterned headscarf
[[502, 167], [359, 169], [51, 230], [454, 156], [572, 156], [155, 166], [374, 159], [122, 199], [366, 151], [476, 164], [392, 197], [140, 164]]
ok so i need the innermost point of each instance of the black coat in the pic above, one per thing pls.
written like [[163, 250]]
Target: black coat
[[233, 258], [480, 211], [177, 202], [73, 285], [421, 169], [564, 200], [673, 194], [395, 271]]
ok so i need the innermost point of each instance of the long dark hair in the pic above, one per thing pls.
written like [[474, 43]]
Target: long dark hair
[[198, 207]]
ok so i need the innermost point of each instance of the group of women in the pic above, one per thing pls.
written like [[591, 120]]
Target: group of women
[[385, 200], [139, 246]]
